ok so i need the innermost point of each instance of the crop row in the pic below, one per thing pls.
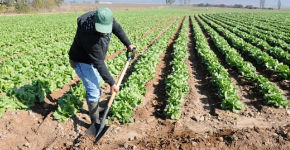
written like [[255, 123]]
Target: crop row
[[50, 65], [134, 34], [275, 34], [276, 52], [47, 70], [257, 54], [176, 82], [271, 94], [255, 32], [71, 102], [273, 20], [227, 91], [24, 97], [259, 24], [115, 65], [27, 37], [134, 88]]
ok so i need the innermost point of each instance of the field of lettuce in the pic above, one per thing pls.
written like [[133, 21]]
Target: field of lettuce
[[201, 79]]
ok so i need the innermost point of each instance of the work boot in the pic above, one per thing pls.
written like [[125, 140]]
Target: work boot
[[94, 112]]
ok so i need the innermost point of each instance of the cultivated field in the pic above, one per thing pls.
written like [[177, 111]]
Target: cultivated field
[[201, 79]]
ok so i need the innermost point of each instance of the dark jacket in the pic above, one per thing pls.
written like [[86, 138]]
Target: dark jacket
[[91, 47]]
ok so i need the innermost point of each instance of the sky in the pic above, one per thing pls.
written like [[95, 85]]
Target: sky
[[269, 3]]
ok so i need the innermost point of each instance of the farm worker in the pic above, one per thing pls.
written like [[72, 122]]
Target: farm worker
[[88, 51]]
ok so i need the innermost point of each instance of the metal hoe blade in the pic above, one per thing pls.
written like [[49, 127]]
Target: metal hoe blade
[[101, 133], [93, 129], [100, 130]]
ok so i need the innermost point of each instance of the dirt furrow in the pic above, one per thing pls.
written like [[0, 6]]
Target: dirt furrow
[[209, 100], [198, 103]]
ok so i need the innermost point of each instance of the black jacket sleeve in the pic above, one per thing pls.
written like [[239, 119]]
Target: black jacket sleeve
[[119, 32], [98, 61]]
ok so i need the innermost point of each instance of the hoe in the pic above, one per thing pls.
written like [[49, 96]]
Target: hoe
[[98, 130]]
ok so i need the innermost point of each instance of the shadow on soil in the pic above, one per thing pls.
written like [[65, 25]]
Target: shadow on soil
[[201, 74], [160, 88]]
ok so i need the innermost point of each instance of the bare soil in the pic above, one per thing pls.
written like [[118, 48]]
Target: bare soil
[[203, 124]]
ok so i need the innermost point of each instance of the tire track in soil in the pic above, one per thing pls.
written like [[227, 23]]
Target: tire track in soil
[[145, 122]]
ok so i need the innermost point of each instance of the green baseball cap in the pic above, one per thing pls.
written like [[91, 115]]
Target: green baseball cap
[[104, 20]]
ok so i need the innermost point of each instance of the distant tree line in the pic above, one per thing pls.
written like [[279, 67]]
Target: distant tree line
[[188, 2], [229, 6], [29, 5], [226, 6]]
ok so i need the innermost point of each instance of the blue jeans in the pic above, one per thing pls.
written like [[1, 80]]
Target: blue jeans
[[91, 79]]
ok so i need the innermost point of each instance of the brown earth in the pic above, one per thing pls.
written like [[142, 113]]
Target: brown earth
[[203, 125]]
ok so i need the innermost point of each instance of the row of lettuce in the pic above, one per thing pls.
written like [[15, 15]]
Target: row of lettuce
[[176, 83], [134, 88], [115, 65], [72, 101], [260, 57], [273, 40], [279, 50], [227, 91], [177, 87], [264, 26], [230, 43], [271, 94], [44, 67], [46, 59]]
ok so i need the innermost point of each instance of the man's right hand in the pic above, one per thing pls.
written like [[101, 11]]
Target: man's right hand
[[114, 88]]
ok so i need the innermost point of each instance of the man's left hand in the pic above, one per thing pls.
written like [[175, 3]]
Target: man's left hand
[[131, 47]]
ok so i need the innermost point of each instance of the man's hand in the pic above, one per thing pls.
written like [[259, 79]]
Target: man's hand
[[114, 88], [131, 47]]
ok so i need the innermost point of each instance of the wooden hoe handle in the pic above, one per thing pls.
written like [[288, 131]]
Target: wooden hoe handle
[[129, 58], [119, 82]]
